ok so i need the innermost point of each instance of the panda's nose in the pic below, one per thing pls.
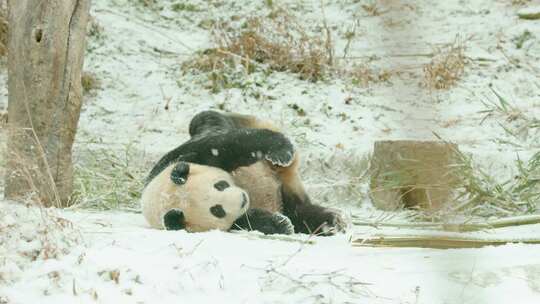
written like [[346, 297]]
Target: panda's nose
[[244, 200]]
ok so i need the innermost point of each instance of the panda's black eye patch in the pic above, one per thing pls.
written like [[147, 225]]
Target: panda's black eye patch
[[221, 185], [218, 211]]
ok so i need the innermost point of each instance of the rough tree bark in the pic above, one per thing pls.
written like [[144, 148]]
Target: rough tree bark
[[45, 57]]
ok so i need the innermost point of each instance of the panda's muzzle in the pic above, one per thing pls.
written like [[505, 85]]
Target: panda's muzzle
[[174, 220]]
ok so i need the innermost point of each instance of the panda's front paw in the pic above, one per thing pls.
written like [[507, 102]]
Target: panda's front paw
[[281, 151], [281, 158], [264, 221]]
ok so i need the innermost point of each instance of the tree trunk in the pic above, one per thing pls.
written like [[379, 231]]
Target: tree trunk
[[45, 57]]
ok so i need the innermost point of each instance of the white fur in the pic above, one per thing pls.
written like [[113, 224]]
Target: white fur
[[194, 198]]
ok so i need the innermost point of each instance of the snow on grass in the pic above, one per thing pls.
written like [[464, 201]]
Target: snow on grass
[[29, 234], [145, 90]]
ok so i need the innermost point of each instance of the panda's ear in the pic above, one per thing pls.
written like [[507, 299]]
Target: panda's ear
[[174, 220], [179, 173]]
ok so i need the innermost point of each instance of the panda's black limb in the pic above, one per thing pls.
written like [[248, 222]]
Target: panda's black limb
[[310, 218], [209, 122], [174, 220], [230, 150], [264, 221]]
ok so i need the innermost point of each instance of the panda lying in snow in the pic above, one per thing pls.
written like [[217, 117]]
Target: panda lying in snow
[[236, 172]]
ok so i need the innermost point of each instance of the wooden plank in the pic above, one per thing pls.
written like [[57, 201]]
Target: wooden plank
[[437, 241], [458, 227]]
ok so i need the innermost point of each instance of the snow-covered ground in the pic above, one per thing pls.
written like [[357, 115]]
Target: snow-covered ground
[[146, 100], [120, 260]]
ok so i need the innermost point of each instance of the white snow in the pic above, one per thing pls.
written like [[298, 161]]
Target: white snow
[[146, 102], [119, 259]]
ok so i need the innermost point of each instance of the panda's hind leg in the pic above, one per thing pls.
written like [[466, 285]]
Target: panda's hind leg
[[305, 216], [252, 122], [210, 122], [311, 218]]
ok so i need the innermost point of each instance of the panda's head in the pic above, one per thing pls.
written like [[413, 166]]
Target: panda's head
[[193, 197]]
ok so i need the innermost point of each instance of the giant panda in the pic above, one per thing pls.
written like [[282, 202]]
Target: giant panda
[[235, 172], [194, 197]]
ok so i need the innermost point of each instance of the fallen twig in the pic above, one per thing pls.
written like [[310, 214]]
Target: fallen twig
[[277, 237]]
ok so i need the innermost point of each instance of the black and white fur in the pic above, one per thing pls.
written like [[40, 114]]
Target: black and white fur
[[193, 197], [263, 162]]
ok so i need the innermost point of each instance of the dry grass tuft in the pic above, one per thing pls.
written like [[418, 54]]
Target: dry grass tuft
[[90, 82], [522, 127], [364, 75], [446, 67], [520, 2], [371, 8], [32, 177], [147, 3], [483, 195], [275, 43]]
